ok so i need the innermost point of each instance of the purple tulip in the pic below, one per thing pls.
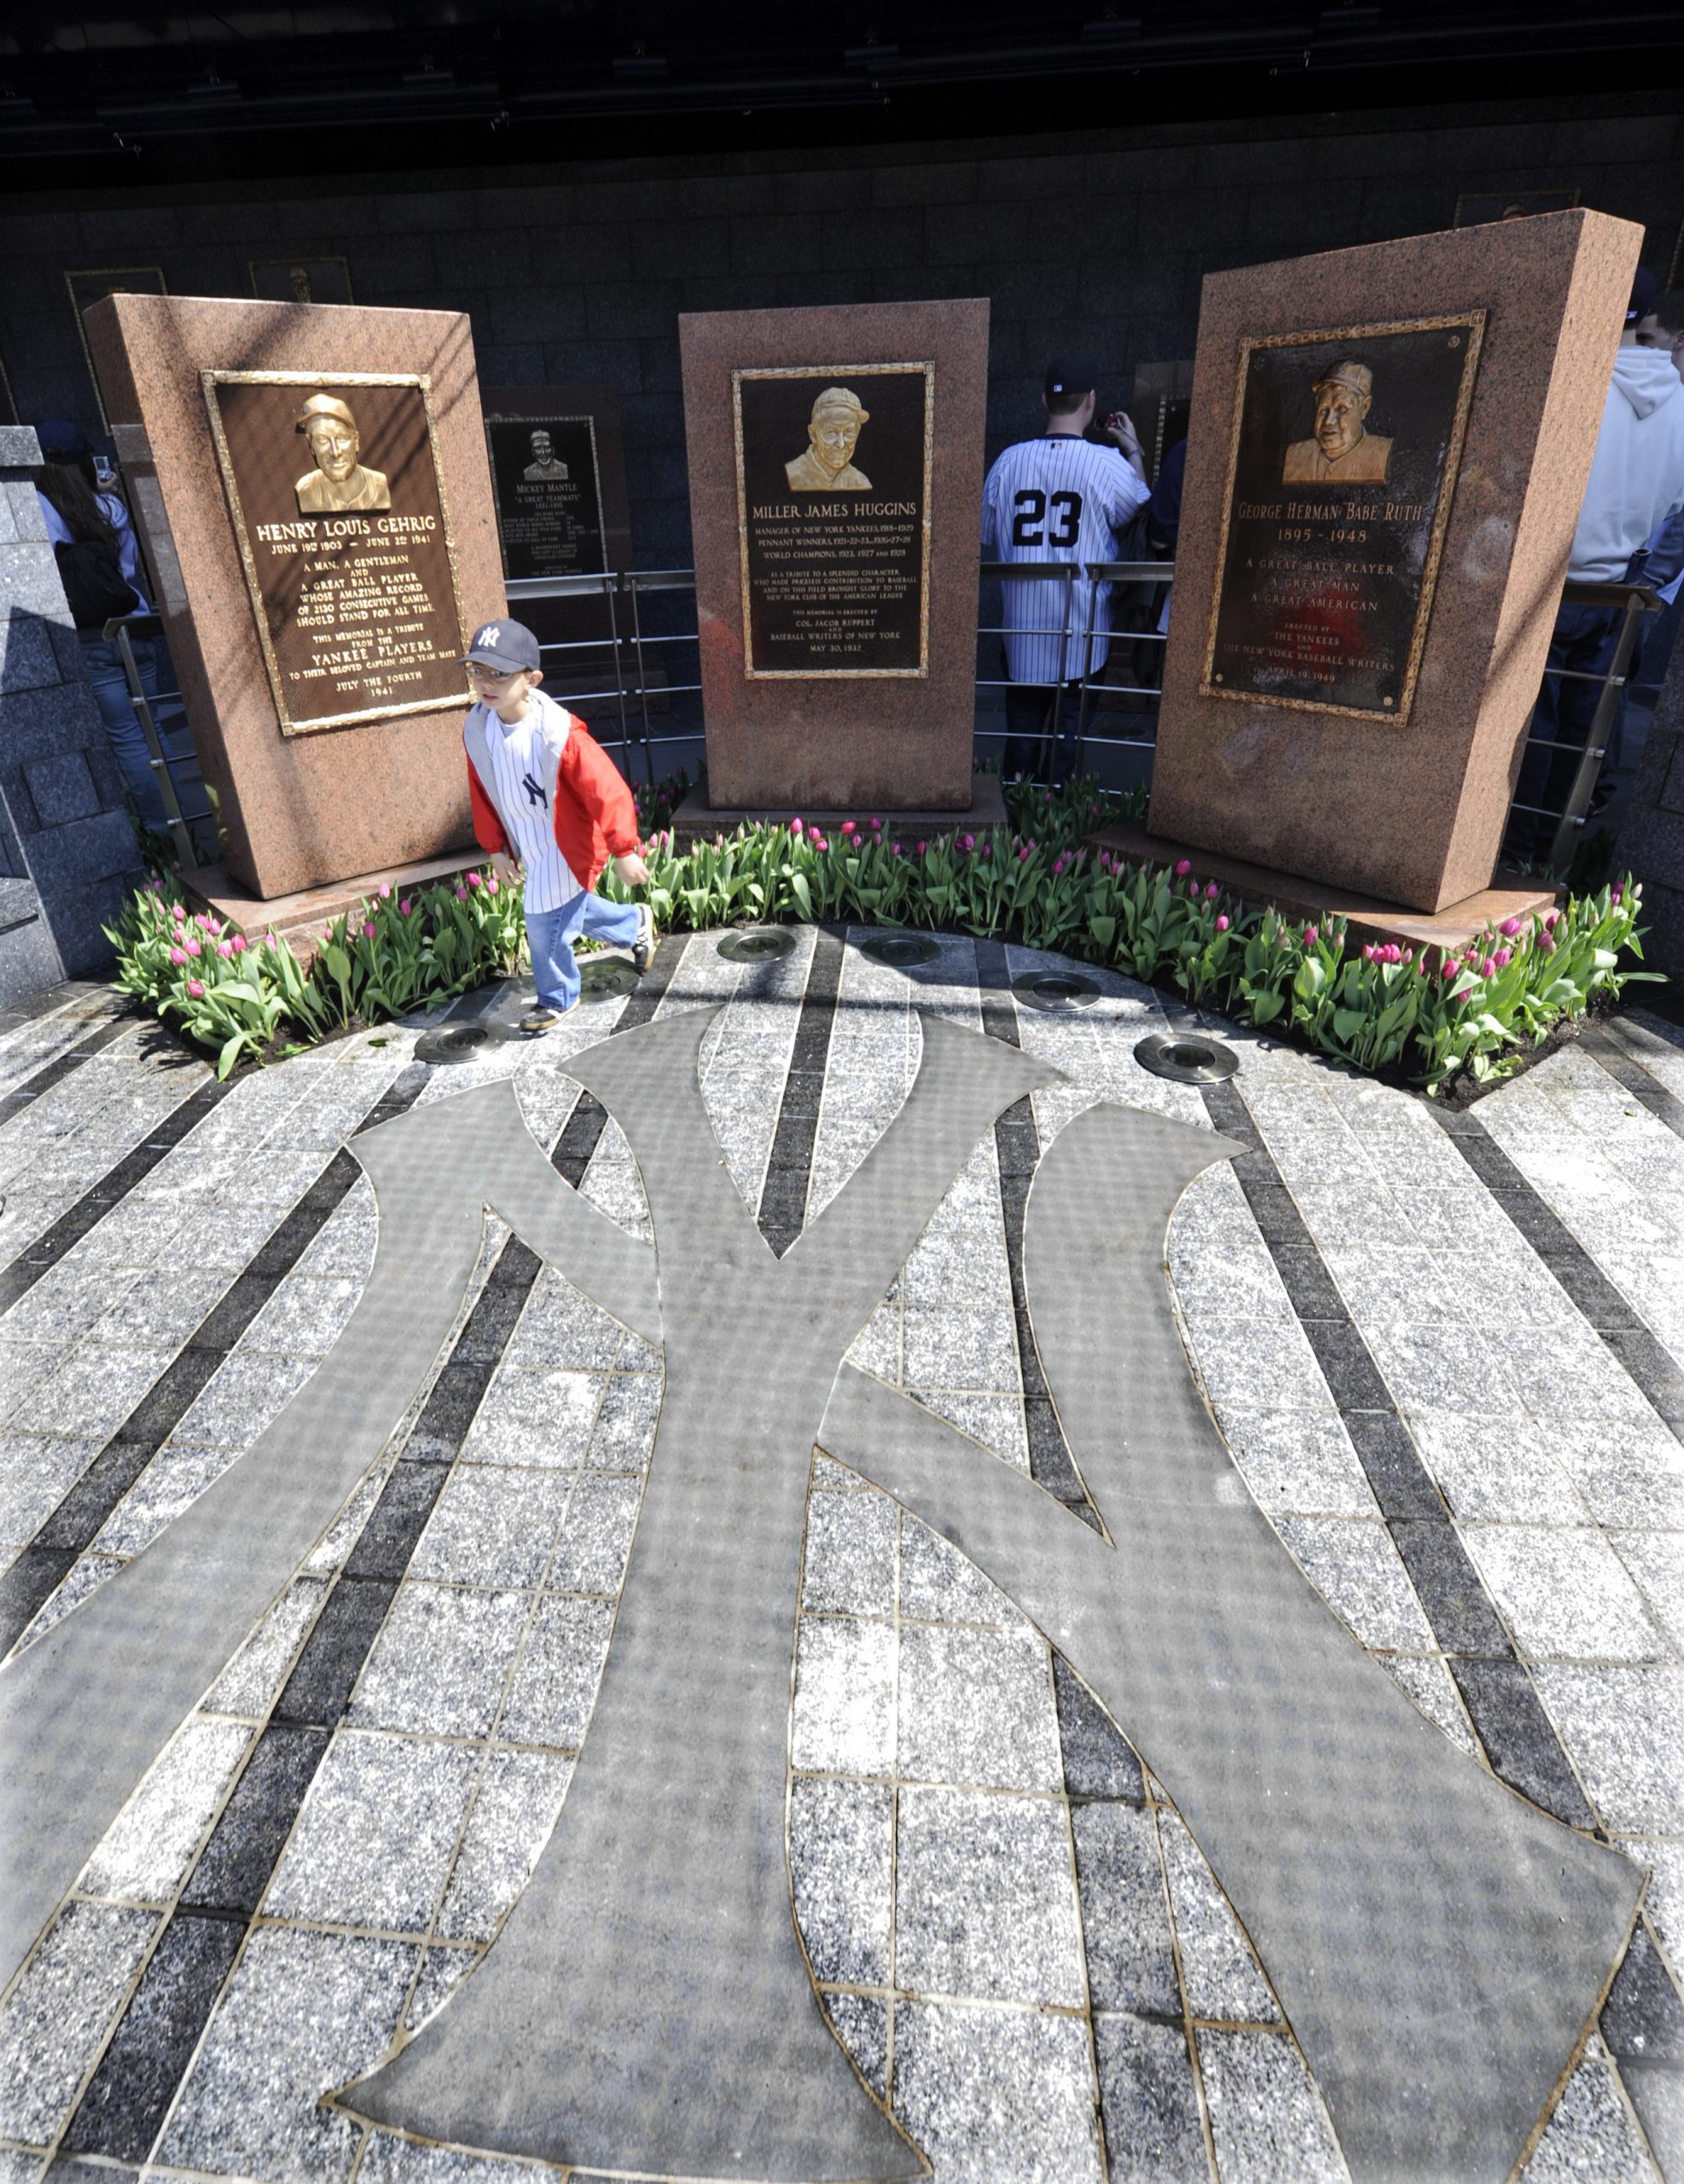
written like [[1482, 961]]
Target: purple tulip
[[1184, 868], [920, 849], [368, 929], [1211, 892], [1486, 966], [1310, 936], [1511, 927], [1503, 958], [876, 825]]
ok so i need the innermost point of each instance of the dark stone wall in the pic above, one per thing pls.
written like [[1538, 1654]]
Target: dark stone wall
[[579, 273]]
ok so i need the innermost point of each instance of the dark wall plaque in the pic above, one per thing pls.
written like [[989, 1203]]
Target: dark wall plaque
[[833, 510], [545, 474], [1341, 473], [346, 541]]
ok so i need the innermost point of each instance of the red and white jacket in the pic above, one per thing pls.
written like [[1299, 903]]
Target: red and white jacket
[[594, 816]]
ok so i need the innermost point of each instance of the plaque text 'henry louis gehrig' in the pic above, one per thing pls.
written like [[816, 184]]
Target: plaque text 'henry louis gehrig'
[[833, 510], [339, 506], [1342, 468]]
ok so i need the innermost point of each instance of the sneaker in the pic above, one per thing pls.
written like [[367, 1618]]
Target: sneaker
[[643, 948], [540, 1019]]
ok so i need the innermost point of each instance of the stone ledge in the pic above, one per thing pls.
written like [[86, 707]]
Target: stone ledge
[[696, 818], [303, 918]]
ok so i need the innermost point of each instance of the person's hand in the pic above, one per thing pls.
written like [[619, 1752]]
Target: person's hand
[[1120, 429], [506, 868], [631, 871]]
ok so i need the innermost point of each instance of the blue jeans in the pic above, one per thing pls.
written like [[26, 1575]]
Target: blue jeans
[[103, 664], [549, 940], [1034, 712]]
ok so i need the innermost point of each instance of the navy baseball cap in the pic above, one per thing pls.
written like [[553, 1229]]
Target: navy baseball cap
[[1071, 372], [1644, 286], [506, 647]]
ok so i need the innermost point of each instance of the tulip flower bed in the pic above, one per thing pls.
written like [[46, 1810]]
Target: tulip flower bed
[[1384, 1009]]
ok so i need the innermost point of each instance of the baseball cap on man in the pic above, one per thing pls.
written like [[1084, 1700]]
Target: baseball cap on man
[[1644, 285], [1071, 372], [503, 647]]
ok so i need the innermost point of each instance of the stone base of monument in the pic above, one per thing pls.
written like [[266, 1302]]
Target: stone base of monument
[[303, 919], [1509, 895], [696, 818]]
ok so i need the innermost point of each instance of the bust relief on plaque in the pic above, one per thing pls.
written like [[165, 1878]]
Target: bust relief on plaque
[[545, 465], [338, 481], [1341, 452], [827, 465]]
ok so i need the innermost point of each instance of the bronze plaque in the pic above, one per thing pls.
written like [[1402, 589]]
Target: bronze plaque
[[1342, 469], [548, 495], [834, 513], [338, 507]]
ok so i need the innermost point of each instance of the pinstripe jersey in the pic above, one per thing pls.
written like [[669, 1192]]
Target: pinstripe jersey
[[1059, 499], [518, 768]]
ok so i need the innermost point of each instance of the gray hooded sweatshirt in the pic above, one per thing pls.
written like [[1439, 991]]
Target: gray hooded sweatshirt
[[1637, 473]]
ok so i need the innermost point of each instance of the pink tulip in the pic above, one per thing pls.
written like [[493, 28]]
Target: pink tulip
[[921, 848], [473, 879], [1503, 958], [1022, 856], [849, 828], [224, 948], [195, 948], [1449, 968], [177, 911], [1211, 892], [1221, 925], [462, 894], [405, 907], [491, 885], [796, 827], [1546, 944], [967, 842], [876, 825], [386, 891], [194, 988], [239, 944], [1310, 936], [368, 929], [1184, 868], [179, 955], [1511, 927], [1486, 966]]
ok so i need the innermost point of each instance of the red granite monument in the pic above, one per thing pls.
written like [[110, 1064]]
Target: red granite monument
[[1387, 452], [836, 469], [312, 485]]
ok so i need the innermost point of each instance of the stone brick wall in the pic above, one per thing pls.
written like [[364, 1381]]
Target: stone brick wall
[[68, 852], [579, 273]]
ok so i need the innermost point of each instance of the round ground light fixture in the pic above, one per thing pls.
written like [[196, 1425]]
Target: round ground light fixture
[[900, 951], [1187, 1057], [758, 943], [460, 1041], [608, 975], [1056, 990]]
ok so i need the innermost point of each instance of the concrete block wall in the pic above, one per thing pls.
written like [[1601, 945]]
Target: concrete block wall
[[67, 851], [579, 273]]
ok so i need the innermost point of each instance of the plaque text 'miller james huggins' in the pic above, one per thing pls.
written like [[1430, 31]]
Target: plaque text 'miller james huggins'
[[1342, 468], [548, 495], [834, 512], [333, 485]]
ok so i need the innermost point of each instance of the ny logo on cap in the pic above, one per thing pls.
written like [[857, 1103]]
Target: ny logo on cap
[[488, 635]]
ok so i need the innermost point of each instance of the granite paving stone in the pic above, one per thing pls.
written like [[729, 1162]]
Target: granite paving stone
[[93, 1394], [850, 1557], [516, 1802], [986, 1900], [861, 2023], [1219, 1968], [37, 1470], [1355, 1569], [144, 1858], [1153, 2128], [243, 1397], [302, 2012], [1591, 2132], [995, 2094], [624, 1432], [438, 1666], [54, 2019], [554, 1685], [977, 1706], [535, 1419], [1125, 1912], [1564, 1593], [844, 1716], [595, 1537], [1265, 2118], [491, 1527], [841, 1845], [373, 1843], [1656, 1560]]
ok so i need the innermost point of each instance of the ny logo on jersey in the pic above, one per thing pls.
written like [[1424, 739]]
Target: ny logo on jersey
[[535, 794], [647, 2007]]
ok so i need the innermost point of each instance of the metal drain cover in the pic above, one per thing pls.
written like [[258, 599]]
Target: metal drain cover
[[606, 975], [1187, 1057], [460, 1041], [900, 950], [761, 943], [1056, 990]]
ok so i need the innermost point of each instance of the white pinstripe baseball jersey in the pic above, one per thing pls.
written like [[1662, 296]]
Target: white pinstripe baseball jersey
[[519, 769], [1059, 499]]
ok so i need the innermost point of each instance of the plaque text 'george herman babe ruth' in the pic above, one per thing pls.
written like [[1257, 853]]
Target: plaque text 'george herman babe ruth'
[[833, 511], [1342, 468], [338, 506]]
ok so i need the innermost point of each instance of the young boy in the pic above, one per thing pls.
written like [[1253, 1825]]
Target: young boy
[[550, 807]]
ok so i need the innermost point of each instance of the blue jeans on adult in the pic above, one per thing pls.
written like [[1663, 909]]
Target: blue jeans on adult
[[550, 935], [103, 664], [1583, 645], [1033, 712]]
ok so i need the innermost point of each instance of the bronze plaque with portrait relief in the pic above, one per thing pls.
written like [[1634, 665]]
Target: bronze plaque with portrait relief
[[834, 512], [1342, 469], [548, 494], [338, 507]]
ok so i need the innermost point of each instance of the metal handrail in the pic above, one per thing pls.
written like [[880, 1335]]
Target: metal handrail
[[122, 633], [1635, 599]]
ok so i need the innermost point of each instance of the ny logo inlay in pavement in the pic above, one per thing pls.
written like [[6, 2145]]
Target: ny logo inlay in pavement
[[1438, 1944]]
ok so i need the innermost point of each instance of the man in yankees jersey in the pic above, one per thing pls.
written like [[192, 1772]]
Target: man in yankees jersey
[[1058, 498], [552, 808]]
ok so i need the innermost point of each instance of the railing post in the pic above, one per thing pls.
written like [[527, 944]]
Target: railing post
[[1638, 603], [118, 633]]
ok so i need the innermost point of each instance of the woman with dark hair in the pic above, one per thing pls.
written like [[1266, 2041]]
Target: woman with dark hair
[[100, 565]]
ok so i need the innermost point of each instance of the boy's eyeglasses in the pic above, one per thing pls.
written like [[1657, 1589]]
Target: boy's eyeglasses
[[491, 680]]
